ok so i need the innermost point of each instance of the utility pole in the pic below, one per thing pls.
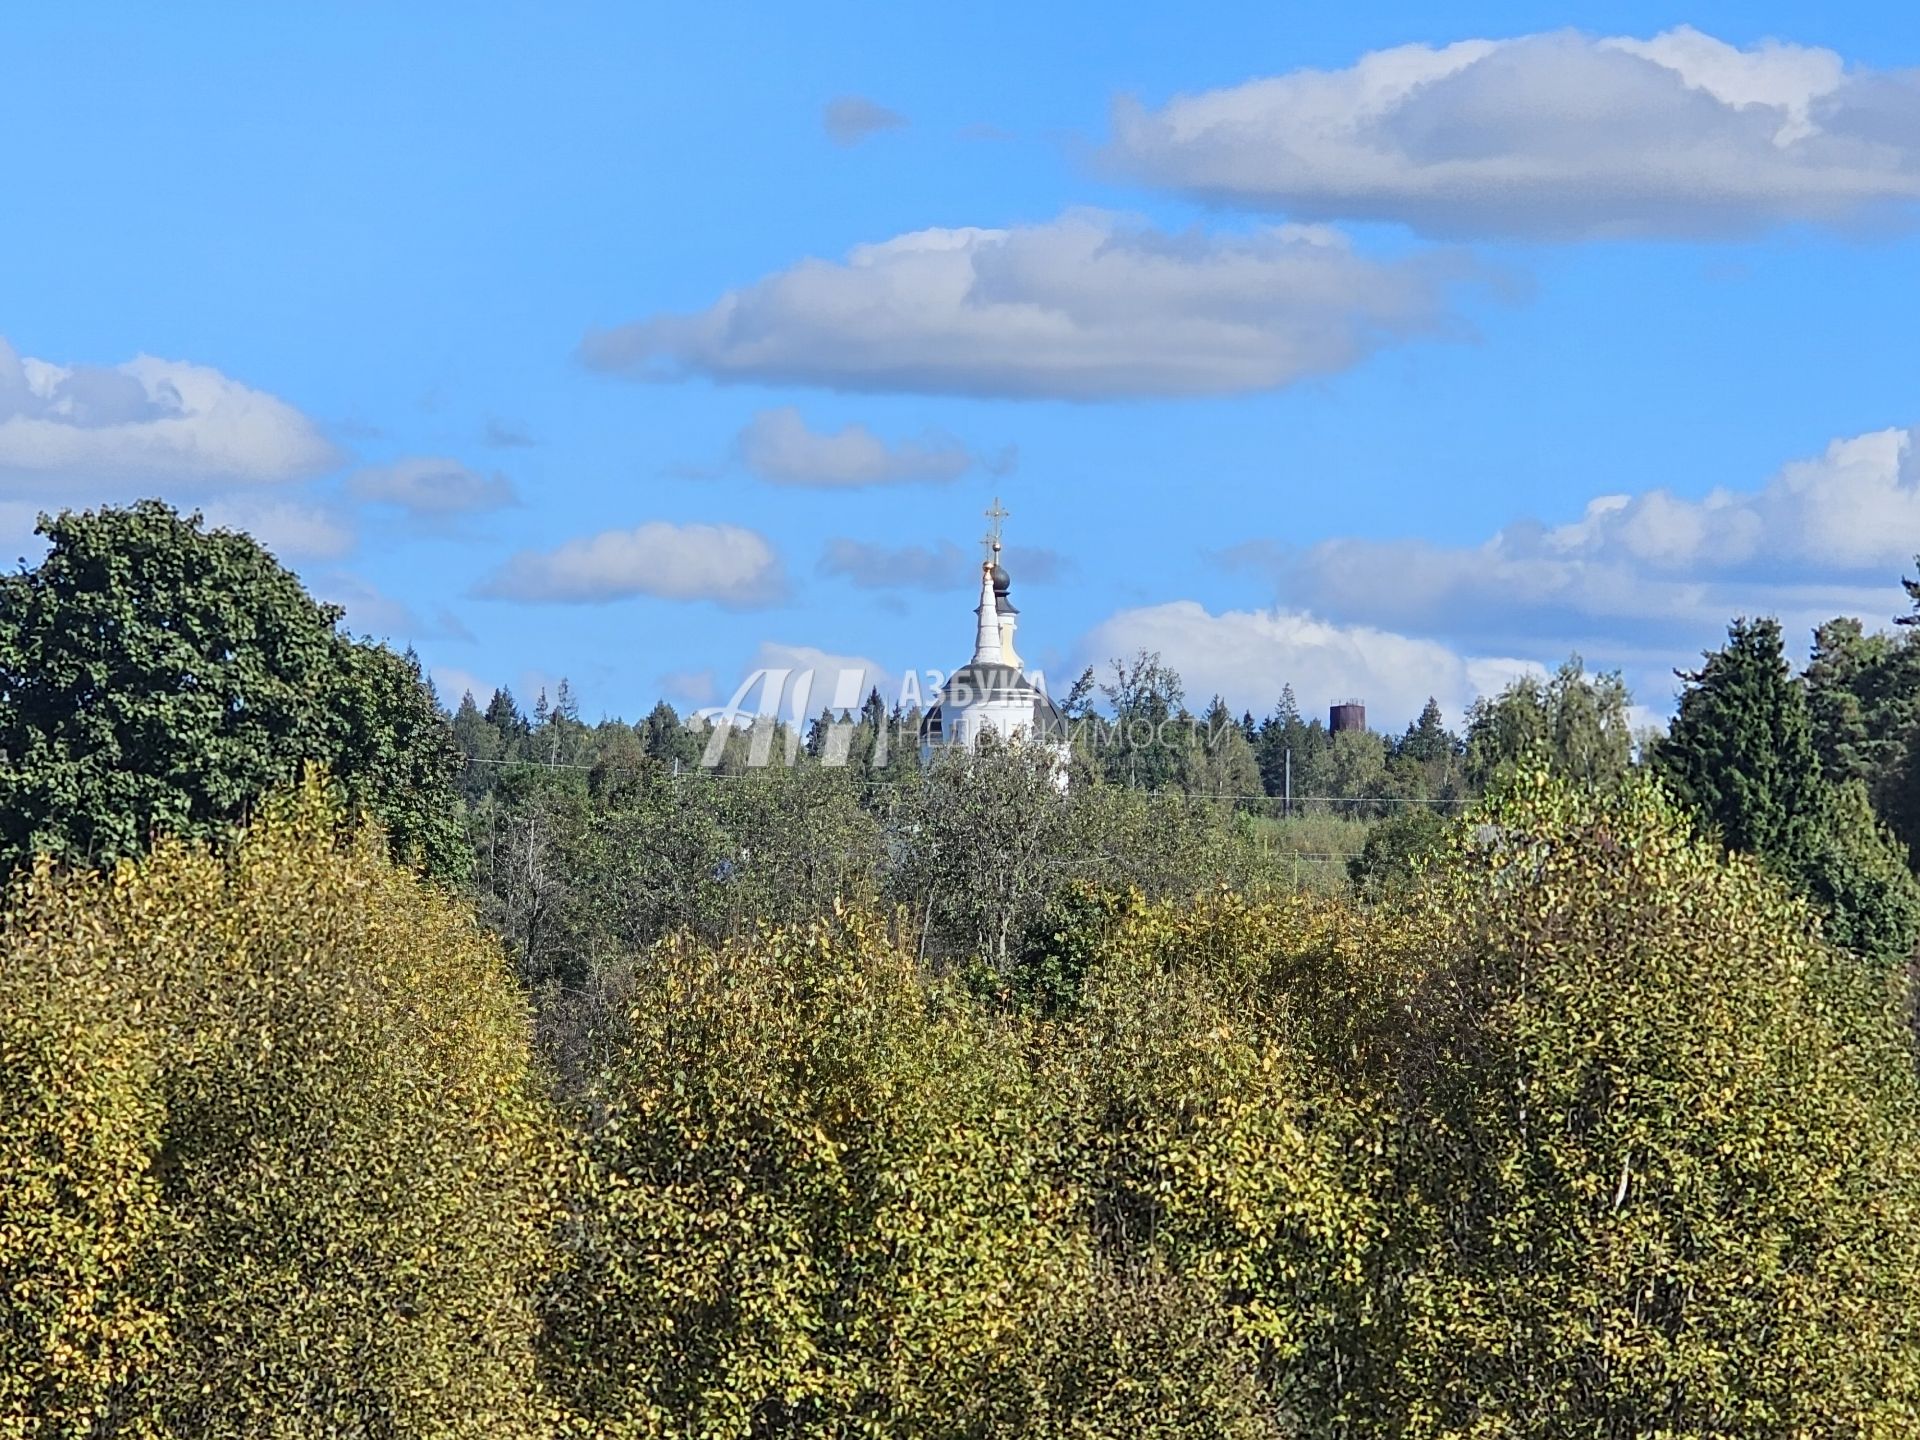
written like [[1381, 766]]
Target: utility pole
[[1286, 808]]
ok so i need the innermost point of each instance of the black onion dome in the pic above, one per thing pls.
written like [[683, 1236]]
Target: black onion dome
[[1002, 583]]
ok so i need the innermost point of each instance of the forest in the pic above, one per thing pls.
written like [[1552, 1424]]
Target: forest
[[386, 1064]]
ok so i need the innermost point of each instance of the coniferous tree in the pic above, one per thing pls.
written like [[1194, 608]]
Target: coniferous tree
[[666, 739], [1221, 763], [1740, 751], [1839, 685], [471, 732], [1427, 738], [505, 717]]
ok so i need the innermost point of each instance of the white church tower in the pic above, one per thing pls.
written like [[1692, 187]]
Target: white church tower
[[992, 691]]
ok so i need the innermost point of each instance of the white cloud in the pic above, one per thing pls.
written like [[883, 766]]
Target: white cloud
[[147, 422], [1088, 306], [1549, 135], [726, 564], [292, 529], [450, 682], [431, 487], [1825, 535], [849, 119], [1248, 655], [777, 446]]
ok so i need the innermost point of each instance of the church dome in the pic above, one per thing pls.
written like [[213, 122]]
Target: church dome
[[993, 693], [1002, 583]]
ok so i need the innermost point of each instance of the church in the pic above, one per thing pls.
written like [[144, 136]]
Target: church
[[992, 691]]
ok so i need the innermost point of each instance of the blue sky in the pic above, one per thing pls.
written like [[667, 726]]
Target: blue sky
[[645, 345]]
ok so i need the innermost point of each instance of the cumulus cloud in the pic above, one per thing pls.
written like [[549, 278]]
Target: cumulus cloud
[[146, 422], [292, 529], [1550, 135], [778, 446], [450, 682], [1085, 307], [725, 564], [1825, 535], [1248, 655], [849, 119], [431, 488]]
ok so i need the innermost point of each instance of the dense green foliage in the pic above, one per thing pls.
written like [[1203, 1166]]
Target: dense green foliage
[[1740, 751], [1574, 724], [1742, 754], [158, 678]]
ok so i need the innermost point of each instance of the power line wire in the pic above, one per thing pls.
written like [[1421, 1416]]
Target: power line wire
[[706, 774]]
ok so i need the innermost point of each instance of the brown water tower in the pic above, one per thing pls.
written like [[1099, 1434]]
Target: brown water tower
[[1347, 715]]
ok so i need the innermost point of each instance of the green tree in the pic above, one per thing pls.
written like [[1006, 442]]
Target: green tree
[[1220, 761], [1857, 873], [1287, 745], [1353, 768], [1144, 696], [1575, 723], [666, 739], [157, 677], [1740, 750], [978, 848], [1861, 693], [816, 1203], [1661, 1176], [503, 714]]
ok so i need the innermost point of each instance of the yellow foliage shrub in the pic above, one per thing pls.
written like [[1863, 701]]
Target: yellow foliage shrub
[[80, 1220], [341, 1138]]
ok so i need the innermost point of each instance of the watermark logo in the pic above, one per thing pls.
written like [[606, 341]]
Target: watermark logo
[[778, 710]]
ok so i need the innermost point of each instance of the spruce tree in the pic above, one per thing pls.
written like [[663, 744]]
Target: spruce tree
[[1740, 752]]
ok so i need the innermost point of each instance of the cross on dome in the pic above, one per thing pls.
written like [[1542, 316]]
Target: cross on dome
[[991, 540]]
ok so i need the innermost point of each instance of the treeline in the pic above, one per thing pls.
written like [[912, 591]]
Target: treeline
[[1133, 730]]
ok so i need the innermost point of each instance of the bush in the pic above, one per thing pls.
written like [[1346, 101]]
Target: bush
[[335, 1217], [816, 1200], [1396, 851], [80, 1222], [1657, 1171]]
